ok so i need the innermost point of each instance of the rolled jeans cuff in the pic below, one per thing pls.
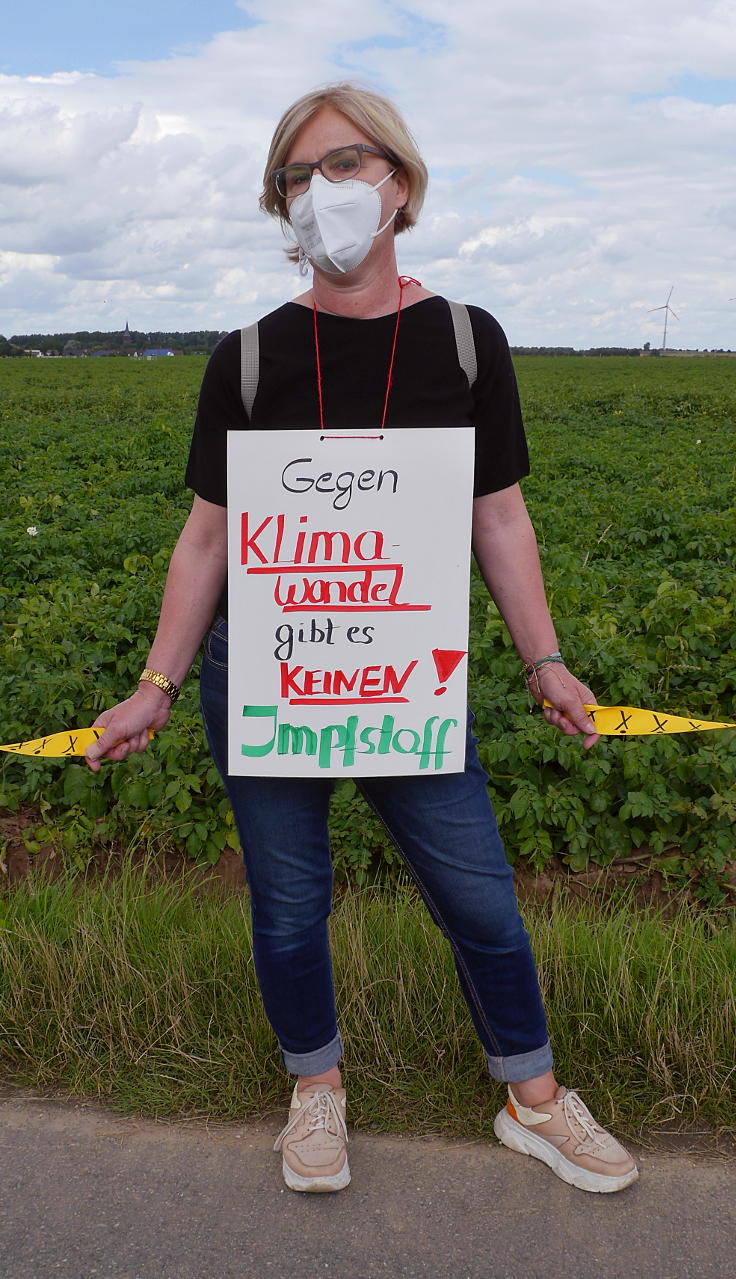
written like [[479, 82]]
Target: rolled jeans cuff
[[314, 1063], [512, 1070]]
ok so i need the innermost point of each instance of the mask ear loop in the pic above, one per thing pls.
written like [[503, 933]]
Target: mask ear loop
[[388, 220], [386, 223], [303, 262]]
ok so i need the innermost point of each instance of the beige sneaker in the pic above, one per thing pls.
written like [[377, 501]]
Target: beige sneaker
[[313, 1143], [565, 1136]]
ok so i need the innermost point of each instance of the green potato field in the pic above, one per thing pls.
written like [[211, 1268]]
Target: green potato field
[[632, 495]]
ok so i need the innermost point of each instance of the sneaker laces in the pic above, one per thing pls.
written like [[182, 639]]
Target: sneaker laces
[[574, 1109], [320, 1108]]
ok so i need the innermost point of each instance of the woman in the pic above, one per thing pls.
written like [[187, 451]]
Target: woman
[[344, 176]]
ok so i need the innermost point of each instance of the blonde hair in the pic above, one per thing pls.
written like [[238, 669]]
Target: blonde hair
[[376, 117]]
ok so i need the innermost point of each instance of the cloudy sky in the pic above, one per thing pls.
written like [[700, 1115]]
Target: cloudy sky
[[581, 157]]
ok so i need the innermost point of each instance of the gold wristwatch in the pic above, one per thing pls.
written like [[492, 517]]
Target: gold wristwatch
[[166, 685]]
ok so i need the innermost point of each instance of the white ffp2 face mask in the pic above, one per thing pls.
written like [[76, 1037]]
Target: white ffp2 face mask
[[335, 223]]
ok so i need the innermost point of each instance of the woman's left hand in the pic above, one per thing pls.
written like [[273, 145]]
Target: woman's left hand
[[554, 683]]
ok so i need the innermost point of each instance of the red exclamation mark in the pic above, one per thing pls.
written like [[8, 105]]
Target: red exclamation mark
[[446, 661]]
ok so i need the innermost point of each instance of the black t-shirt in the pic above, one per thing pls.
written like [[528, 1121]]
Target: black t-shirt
[[429, 388]]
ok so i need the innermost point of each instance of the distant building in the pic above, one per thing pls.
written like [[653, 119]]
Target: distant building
[[153, 352], [127, 337]]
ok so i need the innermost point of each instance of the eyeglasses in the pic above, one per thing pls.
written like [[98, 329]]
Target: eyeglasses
[[336, 166]]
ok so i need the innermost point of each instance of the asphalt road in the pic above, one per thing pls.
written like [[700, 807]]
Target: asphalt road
[[86, 1193]]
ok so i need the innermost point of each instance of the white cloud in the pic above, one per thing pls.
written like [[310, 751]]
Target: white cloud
[[573, 182]]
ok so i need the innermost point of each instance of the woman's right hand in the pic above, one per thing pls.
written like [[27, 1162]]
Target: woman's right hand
[[126, 726]]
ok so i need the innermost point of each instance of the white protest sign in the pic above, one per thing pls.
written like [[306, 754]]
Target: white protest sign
[[348, 575]]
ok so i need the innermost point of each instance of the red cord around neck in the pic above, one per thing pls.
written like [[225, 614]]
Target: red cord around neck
[[403, 281]]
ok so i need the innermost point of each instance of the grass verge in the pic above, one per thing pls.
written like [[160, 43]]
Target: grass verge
[[142, 993]]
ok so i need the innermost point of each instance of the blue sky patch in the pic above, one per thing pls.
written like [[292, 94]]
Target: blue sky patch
[[696, 88], [82, 35], [700, 88]]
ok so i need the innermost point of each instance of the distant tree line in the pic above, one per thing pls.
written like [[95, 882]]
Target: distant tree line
[[9, 348], [202, 342], [571, 350]]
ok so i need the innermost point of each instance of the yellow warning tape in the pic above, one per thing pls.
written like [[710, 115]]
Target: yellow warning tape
[[74, 741], [629, 721], [616, 721]]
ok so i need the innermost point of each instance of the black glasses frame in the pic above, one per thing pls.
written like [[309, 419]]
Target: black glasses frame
[[279, 176]]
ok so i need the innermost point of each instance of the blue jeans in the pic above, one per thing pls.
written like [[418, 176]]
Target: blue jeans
[[444, 828]]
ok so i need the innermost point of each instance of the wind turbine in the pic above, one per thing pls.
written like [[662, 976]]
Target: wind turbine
[[667, 309]]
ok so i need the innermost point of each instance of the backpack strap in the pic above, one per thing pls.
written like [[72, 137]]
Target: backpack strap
[[249, 367], [465, 342]]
